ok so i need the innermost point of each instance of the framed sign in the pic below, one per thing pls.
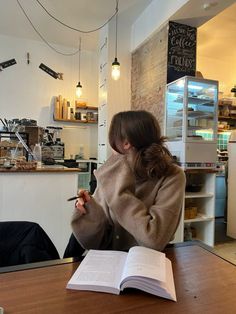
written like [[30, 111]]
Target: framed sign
[[181, 59]]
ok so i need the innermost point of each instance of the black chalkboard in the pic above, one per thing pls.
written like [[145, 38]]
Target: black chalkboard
[[181, 51]]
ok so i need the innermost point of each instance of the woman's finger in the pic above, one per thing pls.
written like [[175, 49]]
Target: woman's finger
[[87, 196], [81, 209]]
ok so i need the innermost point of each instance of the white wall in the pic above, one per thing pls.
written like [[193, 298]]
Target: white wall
[[216, 50], [119, 92], [114, 96], [27, 92], [158, 12]]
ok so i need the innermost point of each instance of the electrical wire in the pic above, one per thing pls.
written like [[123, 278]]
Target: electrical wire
[[43, 39], [117, 3], [79, 55], [62, 23], [76, 29]]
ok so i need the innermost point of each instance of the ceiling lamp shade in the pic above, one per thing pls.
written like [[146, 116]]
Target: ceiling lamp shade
[[115, 72], [233, 90], [78, 90]]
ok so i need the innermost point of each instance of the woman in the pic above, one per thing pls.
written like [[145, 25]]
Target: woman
[[139, 192]]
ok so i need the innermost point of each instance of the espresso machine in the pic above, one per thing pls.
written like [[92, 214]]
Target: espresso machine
[[53, 147]]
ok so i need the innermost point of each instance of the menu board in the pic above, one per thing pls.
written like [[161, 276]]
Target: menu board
[[181, 51]]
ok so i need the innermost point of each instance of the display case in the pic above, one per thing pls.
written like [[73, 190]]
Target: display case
[[191, 112]]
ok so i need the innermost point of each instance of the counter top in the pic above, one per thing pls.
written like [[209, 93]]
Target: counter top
[[53, 168]]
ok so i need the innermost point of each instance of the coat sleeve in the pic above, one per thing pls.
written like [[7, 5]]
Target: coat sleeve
[[92, 230], [152, 227]]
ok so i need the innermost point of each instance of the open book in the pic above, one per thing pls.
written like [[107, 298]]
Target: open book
[[113, 271]]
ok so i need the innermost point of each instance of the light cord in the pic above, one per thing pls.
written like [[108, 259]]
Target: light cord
[[62, 23], [79, 55], [116, 26], [43, 39], [76, 29]]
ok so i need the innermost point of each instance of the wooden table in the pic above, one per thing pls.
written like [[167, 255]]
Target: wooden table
[[205, 283]]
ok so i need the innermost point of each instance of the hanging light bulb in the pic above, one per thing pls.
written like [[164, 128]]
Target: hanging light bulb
[[115, 72], [79, 86], [115, 69], [78, 90]]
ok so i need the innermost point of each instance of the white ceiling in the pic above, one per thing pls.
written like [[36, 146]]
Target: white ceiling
[[81, 14], [217, 36], [90, 14]]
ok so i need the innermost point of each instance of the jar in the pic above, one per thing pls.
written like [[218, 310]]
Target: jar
[[84, 116]]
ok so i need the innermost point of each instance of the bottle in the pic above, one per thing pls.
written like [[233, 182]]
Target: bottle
[[81, 152], [37, 152]]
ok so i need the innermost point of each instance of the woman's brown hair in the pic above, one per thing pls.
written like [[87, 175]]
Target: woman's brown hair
[[141, 129]]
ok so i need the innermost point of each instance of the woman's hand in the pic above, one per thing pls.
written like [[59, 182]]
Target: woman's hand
[[83, 197]]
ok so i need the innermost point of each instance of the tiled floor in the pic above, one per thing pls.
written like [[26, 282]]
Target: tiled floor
[[224, 245]]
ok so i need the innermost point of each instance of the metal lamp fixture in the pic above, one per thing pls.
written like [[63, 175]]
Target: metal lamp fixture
[[115, 72], [233, 90], [79, 86]]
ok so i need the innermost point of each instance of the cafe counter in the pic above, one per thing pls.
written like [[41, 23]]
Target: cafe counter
[[40, 196]]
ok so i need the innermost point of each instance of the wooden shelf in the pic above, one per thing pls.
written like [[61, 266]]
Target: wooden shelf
[[87, 108], [75, 121], [228, 117], [198, 195], [200, 217]]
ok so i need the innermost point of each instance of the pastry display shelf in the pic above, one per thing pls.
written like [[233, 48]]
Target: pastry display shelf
[[197, 114], [196, 101]]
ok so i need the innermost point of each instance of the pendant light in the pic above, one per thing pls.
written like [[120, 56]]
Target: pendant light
[[115, 72], [79, 86], [233, 90]]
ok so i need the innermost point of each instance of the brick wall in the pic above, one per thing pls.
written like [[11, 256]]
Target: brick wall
[[149, 75]]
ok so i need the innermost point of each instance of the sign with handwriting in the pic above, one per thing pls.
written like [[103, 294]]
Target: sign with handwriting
[[181, 51]]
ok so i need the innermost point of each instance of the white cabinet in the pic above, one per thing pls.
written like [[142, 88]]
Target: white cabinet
[[198, 214]]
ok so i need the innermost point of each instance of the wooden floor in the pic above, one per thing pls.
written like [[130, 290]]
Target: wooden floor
[[224, 245], [220, 231]]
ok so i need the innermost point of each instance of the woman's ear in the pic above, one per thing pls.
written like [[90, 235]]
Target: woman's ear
[[126, 145]]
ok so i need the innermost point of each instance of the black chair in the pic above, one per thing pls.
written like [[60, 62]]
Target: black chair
[[73, 248], [24, 242]]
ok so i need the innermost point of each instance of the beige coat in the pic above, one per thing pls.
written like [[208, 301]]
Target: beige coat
[[124, 212]]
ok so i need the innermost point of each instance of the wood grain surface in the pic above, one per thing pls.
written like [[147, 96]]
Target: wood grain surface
[[204, 282]]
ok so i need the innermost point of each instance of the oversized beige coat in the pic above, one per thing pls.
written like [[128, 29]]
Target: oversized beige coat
[[124, 212]]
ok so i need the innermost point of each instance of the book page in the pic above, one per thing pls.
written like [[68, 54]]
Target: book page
[[145, 262], [99, 270]]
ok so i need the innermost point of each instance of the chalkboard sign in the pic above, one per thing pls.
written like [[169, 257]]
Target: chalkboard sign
[[181, 51]]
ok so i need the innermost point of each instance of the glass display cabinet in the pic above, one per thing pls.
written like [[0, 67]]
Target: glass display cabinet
[[191, 121]]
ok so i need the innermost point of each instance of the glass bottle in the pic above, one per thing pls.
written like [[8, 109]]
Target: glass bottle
[[37, 152]]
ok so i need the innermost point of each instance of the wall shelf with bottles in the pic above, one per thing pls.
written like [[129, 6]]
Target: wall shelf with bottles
[[80, 112], [83, 114]]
